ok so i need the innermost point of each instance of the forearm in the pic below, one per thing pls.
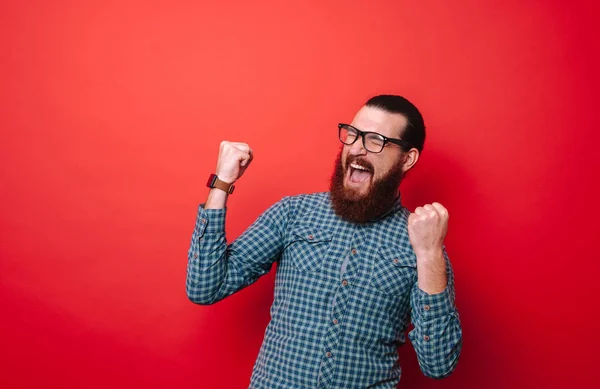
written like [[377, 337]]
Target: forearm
[[217, 199], [207, 268], [207, 265], [437, 333], [431, 270], [437, 336]]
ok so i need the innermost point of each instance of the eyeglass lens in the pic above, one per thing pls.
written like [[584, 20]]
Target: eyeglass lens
[[372, 142]]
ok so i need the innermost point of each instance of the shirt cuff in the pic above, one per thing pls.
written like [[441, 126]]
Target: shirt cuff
[[431, 306], [210, 221]]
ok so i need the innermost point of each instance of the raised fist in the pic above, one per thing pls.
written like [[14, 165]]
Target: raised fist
[[234, 158], [427, 228]]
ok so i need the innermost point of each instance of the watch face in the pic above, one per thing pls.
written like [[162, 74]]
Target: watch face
[[211, 180]]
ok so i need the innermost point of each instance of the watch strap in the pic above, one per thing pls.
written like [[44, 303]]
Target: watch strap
[[214, 182]]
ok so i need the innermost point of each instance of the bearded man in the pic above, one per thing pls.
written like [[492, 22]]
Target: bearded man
[[354, 266]]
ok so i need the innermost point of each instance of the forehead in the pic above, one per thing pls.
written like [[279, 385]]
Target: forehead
[[377, 120]]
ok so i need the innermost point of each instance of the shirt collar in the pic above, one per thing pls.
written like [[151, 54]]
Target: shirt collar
[[396, 206]]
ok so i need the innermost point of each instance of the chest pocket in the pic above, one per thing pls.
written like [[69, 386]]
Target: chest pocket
[[394, 271], [308, 247]]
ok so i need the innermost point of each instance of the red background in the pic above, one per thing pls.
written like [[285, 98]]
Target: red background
[[111, 116]]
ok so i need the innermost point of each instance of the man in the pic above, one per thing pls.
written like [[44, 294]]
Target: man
[[354, 265]]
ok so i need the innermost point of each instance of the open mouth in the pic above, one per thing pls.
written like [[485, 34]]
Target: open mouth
[[359, 173]]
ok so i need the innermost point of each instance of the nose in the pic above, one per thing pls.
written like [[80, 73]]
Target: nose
[[357, 148]]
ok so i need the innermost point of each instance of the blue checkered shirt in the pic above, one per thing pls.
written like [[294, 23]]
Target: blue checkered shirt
[[344, 295]]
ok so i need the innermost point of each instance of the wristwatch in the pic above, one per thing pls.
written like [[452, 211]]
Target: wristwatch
[[214, 182]]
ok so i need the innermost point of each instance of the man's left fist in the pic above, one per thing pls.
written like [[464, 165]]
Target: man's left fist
[[427, 228]]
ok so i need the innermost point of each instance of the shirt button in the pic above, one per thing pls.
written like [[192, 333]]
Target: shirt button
[[203, 221], [310, 237], [354, 251], [195, 255], [328, 354], [427, 307], [426, 338], [396, 261], [345, 282], [335, 321]]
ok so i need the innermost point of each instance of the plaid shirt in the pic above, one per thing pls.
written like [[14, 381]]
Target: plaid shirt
[[344, 295]]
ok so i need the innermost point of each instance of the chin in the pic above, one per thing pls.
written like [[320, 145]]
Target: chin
[[355, 193]]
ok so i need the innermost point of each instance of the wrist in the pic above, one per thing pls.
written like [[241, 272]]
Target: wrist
[[217, 199], [214, 181], [225, 178], [429, 253]]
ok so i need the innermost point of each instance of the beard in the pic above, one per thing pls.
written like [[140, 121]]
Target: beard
[[362, 208]]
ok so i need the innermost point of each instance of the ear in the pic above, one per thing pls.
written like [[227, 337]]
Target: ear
[[410, 159]]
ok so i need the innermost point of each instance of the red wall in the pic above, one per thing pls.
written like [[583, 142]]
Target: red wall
[[111, 116]]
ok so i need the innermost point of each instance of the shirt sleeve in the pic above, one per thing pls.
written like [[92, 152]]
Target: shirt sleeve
[[215, 269], [437, 333]]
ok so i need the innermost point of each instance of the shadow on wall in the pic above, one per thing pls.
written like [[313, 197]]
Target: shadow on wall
[[231, 334]]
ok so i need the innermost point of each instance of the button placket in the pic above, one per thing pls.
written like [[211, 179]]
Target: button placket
[[333, 336]]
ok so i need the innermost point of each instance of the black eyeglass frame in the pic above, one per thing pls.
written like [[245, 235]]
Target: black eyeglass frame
[[406, 146]]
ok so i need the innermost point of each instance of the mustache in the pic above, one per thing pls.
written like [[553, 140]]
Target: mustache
[[359, 161]]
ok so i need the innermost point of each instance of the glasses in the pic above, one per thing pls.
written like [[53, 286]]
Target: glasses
[[372, 141]]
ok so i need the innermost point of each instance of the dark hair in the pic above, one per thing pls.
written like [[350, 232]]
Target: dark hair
[[414, 133]]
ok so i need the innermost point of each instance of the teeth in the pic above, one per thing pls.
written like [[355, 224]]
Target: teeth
[[355, 166]]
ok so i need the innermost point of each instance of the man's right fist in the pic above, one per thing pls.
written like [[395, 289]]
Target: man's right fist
[[234, 159]]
